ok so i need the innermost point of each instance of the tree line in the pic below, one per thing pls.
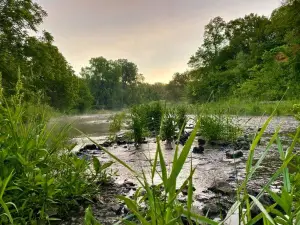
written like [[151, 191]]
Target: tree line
[[252, 57]]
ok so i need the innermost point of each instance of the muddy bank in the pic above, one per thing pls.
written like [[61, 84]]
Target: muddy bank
[[212, 167]]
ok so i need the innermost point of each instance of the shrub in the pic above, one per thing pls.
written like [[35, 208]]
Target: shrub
[[116, 123], [181, 118], [138, 117], [40, 180], [154, 113], [169, 124], [218, 127]]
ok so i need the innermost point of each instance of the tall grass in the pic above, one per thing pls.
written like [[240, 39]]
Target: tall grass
[[219, 127], [245, 107], [40, 180]]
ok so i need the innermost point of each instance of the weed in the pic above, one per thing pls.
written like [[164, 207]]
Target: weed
[[218, 127], [181, 118], [40, 180], [169, 124]]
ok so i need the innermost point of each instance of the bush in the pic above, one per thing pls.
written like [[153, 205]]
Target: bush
[[181, 118], [169, 124], [218, 127], [116, 123], [40, 179], [138, 123], [154, 113]]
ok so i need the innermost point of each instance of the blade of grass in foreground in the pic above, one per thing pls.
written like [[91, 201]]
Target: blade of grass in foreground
[[286, 176], [177, 166], [2, 203], [162, 164], [263, 210]]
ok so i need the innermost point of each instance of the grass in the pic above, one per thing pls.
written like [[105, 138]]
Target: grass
[[40, 180], [163, 208], [249, 108], [219, 127]]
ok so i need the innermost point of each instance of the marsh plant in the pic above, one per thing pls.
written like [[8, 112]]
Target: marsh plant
[[168, 125], [219, 127], [40, 180], [138, 125], [116, 124], [154, 113], [181, 116]]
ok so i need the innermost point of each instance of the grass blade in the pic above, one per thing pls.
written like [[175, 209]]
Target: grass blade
[[162, 164], [177, 166], [263, 210]]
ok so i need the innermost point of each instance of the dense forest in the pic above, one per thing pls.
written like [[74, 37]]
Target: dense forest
[[254, 57]]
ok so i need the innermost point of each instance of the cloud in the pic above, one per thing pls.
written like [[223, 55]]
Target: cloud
[[158, 35]]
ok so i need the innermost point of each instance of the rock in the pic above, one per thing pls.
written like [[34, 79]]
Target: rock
[[212, 210], [246, 147], [182, 200], [219, 143], [198, 150], [125, 210], [185, 190], [239, 139], [119, 142], [128, 183], [125, 146], [90, 147], [117, 209], [222, 187], [234, 154], [106, 144], [201, 141]]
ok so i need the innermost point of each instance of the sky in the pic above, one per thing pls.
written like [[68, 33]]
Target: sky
[[157, 35]]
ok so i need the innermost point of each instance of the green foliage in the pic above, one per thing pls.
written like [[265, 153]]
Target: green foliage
[[181, 116], [218, 127], [296, 111], [251, 57], [138, 117], [247, 107], [169, 124], [116, 123], [45, 71], [154, 112], [40, 180], [89, 218]]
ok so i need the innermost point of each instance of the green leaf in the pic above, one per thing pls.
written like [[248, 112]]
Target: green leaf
[[177, 166], [96, 164], [133, 207], [162, 164], [263, 210], [106, 165], [155, 162], [202, 219], [286, 176]]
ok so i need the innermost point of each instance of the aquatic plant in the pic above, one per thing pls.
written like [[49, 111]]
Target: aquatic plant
[[138, 123], [154, 112], [181, 116], [168, 125], [218, 127]]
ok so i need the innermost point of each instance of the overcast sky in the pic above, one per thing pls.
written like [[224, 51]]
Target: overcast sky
[[158, 35]]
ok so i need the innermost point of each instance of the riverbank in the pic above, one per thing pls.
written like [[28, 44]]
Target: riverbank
[[216, 177]]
